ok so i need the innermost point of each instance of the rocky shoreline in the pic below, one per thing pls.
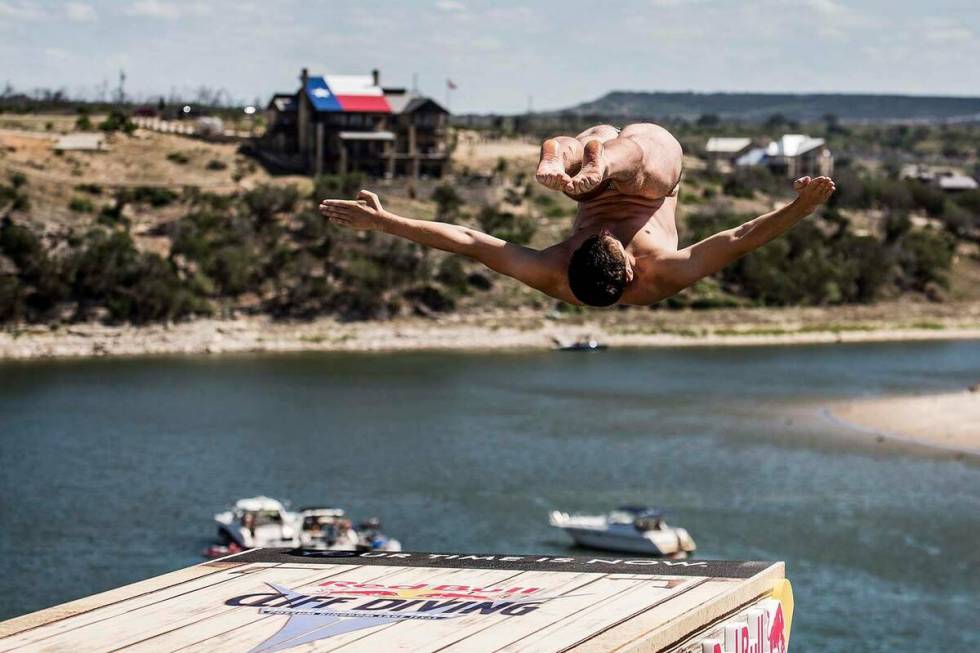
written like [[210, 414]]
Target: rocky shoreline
[[264, 335]]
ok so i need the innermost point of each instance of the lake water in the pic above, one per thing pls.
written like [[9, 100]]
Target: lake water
[[112, 469]]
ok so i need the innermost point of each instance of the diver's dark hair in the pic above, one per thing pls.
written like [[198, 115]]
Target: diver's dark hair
[[597, 272]]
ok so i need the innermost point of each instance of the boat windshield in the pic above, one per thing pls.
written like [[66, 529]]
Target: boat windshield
[[620, 517], [263, 517]]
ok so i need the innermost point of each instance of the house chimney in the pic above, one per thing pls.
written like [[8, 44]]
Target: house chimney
[[376, 75], [304, 77]]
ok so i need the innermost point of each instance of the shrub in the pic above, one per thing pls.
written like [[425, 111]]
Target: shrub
[[81, 205], [179, 158], [117, 121], [745, 180], [337, 186], [216, 164], [448, 202], [517, 229], [152, 195], [90, 189], [925, 258], [265, 201]]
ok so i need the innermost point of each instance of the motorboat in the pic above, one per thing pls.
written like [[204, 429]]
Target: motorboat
[[630, 529], [264, 522], [370, 537], [586, 344], [258, 522], [326, 529]]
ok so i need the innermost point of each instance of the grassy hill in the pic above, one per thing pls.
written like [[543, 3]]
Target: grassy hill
[[760, 106]]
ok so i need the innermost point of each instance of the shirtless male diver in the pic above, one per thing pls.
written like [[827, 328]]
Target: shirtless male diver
[[623, 245]]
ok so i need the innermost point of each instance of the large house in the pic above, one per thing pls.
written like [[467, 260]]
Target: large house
[[793, 155], [347, 123]]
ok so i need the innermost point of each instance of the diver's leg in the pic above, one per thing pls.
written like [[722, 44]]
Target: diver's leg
[[643, 160], [561, 157]]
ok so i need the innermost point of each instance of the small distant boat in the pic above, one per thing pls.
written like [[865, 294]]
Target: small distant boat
[[258, 522], [582, 345], [630, 529]]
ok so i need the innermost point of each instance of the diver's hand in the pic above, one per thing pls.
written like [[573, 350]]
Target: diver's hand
[[365, 213], [813, 192]]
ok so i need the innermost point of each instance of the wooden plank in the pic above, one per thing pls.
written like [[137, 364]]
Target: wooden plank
[[85, 604], [586, 624], [130, 621], [675, 620]]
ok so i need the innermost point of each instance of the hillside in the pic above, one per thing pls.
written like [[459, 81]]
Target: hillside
[[760, 106], [164, 228]]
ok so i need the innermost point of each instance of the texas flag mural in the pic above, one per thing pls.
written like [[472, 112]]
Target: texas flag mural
[[346, 93]]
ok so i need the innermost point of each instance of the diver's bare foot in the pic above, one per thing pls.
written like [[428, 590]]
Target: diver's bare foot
[[813, 192], [551, 169], [593, 170]]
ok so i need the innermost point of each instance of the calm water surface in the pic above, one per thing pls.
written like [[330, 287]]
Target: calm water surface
[[112, 469]]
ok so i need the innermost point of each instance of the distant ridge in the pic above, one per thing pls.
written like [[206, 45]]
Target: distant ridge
[[760, 106]]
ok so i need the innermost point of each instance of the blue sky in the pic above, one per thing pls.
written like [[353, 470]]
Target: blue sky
[[498, 52]]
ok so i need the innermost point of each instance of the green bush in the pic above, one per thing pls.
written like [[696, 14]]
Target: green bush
[[264, 202], [448, 202], [152, 195], [746, 180], [925, 258], [513, 228], [179, 158], [117, 121], [337, 186], [216, 164], [81, 205], [90, 189]]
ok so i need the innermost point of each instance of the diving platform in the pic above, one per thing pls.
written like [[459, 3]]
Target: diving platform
[[270, 600]]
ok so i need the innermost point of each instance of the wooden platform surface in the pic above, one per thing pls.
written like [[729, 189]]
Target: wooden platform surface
[[268, 600]]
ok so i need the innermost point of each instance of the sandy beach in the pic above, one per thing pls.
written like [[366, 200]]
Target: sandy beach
[[949, 421]]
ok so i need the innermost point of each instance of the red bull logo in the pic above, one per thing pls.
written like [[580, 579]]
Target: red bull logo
[[761, 629], [425, 590]]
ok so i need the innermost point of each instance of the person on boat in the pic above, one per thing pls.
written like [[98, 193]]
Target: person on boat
[[623, 247]]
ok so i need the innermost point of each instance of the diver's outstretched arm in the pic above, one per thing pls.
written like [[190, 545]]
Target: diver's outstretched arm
[[536, 268], [683, 268]]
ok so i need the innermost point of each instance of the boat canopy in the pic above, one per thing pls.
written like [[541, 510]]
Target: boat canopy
[[259, 503], [642, 512], [321, 511]]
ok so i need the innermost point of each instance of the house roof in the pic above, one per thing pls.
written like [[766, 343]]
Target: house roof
[[283, 102], [346, 94], [791, 145], [725, 145], [84, 141], [408, 102], [957, 182], [753, 157]]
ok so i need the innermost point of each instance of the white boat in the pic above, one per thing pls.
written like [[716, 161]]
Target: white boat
[[259, 521], [326, 529], [631, 529]]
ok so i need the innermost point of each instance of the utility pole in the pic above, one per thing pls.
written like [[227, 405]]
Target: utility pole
[[121, 92]]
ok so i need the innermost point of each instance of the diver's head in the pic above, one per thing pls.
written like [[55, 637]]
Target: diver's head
[[599, 270]]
